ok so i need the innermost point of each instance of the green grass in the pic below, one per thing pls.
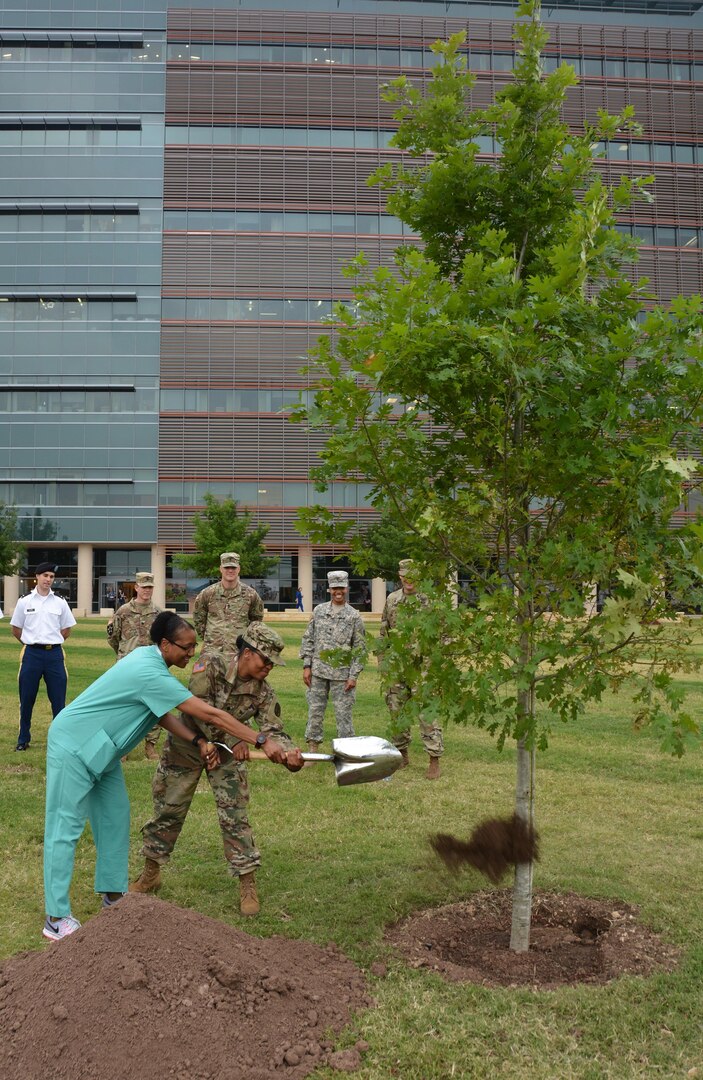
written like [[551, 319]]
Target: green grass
[[617, 820]]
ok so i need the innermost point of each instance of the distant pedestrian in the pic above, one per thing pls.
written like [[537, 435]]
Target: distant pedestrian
[[338, 626], [299, 600], [41, 621]]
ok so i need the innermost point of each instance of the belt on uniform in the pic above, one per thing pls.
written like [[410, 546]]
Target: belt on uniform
[[36, 646]]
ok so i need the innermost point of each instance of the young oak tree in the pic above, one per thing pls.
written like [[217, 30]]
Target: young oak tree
[[221, 527], [529, 413]]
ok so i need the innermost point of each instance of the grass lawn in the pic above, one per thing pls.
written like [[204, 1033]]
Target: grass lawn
[[617, 819]]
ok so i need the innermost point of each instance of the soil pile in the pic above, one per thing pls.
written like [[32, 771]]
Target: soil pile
[[574, 939], [147, 989]]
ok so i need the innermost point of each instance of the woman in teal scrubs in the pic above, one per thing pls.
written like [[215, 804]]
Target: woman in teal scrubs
[[84, 778]]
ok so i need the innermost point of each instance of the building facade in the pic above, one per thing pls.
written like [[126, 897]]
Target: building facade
[[182, 186]]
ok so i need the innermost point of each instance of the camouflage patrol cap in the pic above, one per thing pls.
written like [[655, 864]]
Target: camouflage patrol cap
[[337, 579], [266, 641], [405, 566], [145, 580], [229, 558]]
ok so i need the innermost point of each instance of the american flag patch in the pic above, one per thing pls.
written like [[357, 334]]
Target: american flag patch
[[199, 665]]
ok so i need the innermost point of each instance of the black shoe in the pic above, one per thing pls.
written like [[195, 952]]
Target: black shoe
[[22, 746]]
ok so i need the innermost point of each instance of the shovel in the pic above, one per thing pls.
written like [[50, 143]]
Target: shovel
[[359, 759]]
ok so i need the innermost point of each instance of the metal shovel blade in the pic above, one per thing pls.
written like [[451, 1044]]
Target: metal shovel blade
[[359, 759]]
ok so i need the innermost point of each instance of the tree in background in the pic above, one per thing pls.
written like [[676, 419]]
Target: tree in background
[[11, 551], [222, 527], [523, 410], [377, 552]]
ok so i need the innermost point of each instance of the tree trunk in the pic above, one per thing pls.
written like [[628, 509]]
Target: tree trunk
[[522, 886]]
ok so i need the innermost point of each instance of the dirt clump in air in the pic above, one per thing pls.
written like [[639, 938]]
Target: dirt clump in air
[[151, 990]]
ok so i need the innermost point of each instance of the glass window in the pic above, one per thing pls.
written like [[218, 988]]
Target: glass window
[[645, 233], [683, 154], [681, 72], [615, 68], [666, 235], [479, 61], [636, 69], [502, 61], [662, 152], [658, 69], [389, 57], [688, 237], [592, 66], [618, 151], [641, 151]]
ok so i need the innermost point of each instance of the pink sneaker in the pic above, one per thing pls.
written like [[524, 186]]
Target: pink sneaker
[[56, 929]]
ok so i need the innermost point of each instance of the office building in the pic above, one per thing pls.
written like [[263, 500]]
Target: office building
[[182, 185]]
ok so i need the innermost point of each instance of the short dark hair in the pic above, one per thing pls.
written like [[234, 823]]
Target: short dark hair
[[166, 624]]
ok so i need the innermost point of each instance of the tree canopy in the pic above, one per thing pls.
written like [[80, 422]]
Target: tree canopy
[[527, 411], [222, 527]]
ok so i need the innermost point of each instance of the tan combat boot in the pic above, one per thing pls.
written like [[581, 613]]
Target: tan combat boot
[[405, 759], [313, 748], [150, 752], [433, 771], [248, 900], [149, 881]]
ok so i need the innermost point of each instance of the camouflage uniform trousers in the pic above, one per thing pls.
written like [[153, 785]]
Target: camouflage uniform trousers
[[173, 787], [342, 700], [431, 734]]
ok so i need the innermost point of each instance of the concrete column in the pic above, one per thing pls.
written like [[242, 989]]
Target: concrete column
[[590, 600], [158, 569], [305, 576], [12, 594], [84, 601], [378, 595]]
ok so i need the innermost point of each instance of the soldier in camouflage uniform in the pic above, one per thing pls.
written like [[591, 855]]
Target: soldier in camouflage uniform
[[224, 610], [238, 685], [334, 625], [399, 693], [129, 629]]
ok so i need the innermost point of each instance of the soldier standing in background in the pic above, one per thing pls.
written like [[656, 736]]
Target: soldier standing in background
[[399, 693], [236, 686], [129, 629], [224, 610], [334, 625]]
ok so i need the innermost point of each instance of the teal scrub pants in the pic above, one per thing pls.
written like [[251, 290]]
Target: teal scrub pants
[[74, 795]]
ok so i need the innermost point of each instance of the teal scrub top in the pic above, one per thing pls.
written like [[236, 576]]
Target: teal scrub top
[[118, 709]]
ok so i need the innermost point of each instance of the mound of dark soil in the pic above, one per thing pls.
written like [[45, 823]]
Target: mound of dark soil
[[573, 940], [146, 989]]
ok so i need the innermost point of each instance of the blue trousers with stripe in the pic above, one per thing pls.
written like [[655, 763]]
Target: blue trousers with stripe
[[37, 664]]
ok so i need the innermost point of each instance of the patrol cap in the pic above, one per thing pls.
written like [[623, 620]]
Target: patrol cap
[[266, 641], [46, 568], [337, 579], [405, 567], [145, 580], [229, 558]]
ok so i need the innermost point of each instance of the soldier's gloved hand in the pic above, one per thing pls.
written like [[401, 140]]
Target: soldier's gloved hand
[[274, 752], [240, 751], [294, 760]]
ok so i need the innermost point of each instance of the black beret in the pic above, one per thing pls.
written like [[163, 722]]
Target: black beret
[[46, 568]]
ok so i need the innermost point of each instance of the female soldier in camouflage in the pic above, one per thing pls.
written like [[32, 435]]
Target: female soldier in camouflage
[[238, 686]]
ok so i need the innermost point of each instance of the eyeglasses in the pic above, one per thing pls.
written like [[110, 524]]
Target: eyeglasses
[[269, 663], [186, 648]]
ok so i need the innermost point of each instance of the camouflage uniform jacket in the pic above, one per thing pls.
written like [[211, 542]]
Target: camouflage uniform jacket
[[389, 619], [220, 615], [215, 680], [334, 628], [130, 627]]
